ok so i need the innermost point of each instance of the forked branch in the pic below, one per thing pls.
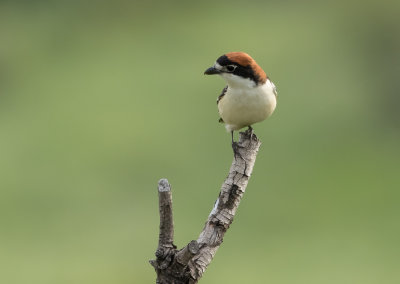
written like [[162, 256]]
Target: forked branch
[[187, 265]]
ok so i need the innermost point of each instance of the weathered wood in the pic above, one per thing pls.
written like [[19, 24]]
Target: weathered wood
[[187, 265], [166, 237]]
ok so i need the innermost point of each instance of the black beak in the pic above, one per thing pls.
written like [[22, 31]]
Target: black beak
[[211, 71]]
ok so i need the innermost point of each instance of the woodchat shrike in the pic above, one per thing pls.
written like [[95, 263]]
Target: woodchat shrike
[[249, 96]]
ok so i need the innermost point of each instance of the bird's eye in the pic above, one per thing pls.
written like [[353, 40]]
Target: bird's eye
[[231, 68]]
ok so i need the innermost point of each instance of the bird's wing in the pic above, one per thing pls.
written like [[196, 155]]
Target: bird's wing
[[222, 94], [220, 98]]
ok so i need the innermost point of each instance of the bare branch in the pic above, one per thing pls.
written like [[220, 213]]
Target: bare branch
[[166, 248], [187, 265], [232, 190], [166, 237]]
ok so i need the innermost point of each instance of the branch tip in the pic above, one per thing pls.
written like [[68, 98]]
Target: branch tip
[[163, 185]]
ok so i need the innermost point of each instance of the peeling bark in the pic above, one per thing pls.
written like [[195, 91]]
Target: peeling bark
[[187, 265]]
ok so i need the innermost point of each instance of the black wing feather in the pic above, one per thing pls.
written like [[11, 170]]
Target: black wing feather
[[220, 98], [222, 94]]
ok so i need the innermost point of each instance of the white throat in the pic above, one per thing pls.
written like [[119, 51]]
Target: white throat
[[238, 82]]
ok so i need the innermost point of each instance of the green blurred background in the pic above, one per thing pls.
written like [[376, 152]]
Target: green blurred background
[[101, 99]]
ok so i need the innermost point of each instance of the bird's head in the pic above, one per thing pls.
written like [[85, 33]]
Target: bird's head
[[238, 69]]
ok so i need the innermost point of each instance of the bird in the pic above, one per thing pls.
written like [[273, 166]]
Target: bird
[[249, 97]]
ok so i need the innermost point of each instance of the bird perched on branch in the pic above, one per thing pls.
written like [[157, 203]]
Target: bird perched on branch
[[249, 97]]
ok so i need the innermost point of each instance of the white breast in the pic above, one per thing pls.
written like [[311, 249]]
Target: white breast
[[241, 107]]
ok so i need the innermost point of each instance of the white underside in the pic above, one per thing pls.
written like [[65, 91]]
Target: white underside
[[246, 105]]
